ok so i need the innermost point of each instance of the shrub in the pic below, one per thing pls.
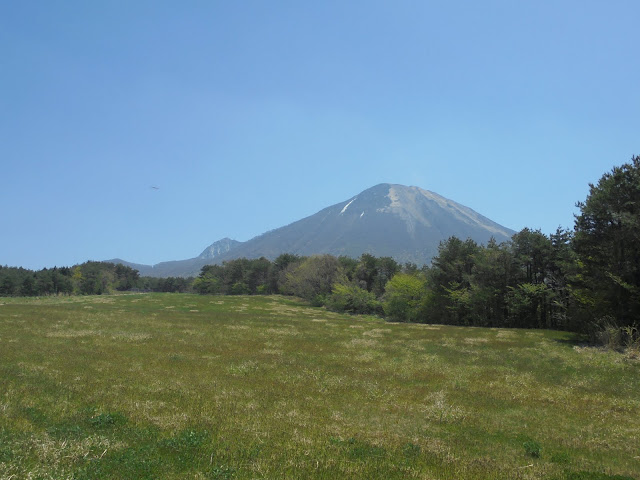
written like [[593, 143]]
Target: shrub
[[352, 299], [608, 333]]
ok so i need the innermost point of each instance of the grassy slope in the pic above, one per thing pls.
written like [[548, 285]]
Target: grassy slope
[[183, 386]]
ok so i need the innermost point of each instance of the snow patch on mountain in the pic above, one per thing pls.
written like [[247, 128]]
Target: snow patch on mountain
[[347, 206]]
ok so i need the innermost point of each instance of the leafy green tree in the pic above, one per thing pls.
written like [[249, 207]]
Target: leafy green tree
[[527, 302], [204, 284], [279, 267], [404, 298], [348, 297], [314, 277], [607, 244], [239, 288], [126, 277], [210, 280]]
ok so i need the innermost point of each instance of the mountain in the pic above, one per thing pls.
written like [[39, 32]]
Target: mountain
[[218, 248], [184, 268], [406, 223]]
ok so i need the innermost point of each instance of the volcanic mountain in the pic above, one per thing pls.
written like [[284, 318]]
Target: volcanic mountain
[[406, 223]]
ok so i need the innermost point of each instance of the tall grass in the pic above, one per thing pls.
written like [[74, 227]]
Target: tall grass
[[184, 386]]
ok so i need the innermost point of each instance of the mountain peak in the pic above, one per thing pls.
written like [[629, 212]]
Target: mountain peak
[[406, 223], [422, 213], [218, 248]]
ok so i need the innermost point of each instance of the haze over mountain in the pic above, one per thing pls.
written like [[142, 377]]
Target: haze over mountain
[[406, 223]]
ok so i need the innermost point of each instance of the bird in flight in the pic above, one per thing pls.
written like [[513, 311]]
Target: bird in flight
[[155, 188]]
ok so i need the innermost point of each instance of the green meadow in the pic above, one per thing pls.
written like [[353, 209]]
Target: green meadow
[[178, 386]]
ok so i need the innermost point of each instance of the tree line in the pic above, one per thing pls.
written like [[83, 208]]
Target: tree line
[[584, 279], [340, 283], [521, 283], [89, 278]]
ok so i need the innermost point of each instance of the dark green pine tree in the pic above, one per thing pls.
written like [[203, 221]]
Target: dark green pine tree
[[607, 243]]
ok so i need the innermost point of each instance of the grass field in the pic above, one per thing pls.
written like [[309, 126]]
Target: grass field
[[204, 387]]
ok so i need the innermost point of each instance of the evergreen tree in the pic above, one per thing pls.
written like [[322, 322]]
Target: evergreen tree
[[607, 243], [449, 281]]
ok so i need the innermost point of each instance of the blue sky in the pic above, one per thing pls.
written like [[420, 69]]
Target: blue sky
[[250, 115]]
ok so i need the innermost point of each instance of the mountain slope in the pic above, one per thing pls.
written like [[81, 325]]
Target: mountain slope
[[406, 223]]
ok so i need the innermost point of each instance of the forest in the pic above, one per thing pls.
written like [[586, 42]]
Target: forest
[[583, 280]]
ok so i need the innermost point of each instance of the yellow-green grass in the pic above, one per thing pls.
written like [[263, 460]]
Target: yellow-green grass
[[185, 386]]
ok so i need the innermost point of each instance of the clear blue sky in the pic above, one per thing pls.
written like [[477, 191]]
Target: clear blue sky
[[250, 115]]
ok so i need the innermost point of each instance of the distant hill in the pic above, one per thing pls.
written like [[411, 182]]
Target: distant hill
[[219, 248], [184, 268], [406, 223]]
